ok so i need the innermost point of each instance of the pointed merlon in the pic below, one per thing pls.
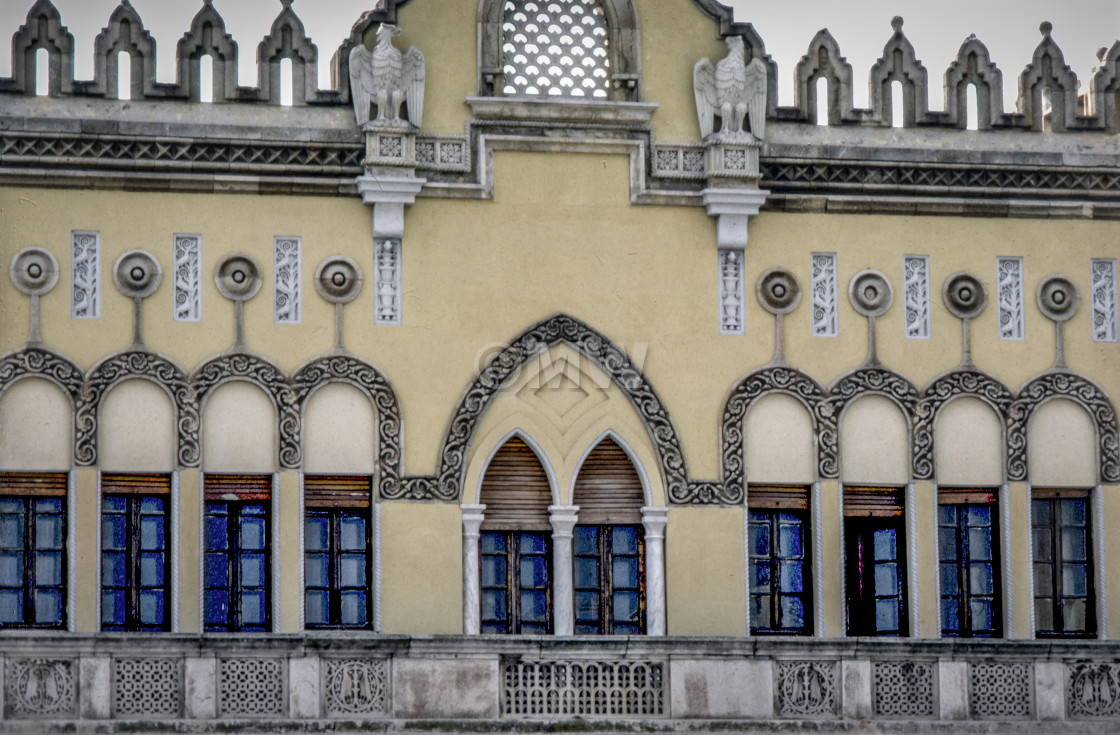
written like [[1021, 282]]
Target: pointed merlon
[[1046, 27], [896, 23]]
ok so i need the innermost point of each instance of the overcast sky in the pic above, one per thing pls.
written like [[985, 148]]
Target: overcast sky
[[937, 28]]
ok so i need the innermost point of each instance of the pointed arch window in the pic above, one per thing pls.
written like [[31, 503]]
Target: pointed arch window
[[515, 544], [609, 545]]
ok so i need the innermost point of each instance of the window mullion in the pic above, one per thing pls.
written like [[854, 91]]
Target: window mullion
[[132, 570], [606, 571], [964, 598], [775, 570], [515, 583], [334, 594], [29, 561], [233, 532], [1056, 570]]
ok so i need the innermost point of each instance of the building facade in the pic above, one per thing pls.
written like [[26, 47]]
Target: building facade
[[716, 407]]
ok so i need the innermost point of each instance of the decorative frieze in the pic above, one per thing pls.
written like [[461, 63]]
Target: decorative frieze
[[287, 266], [387, 281], [147, 687], [85, 275], [679, 162], [902, 689], [252, 686], [808, 688], [356, 687], [916, 300], [40, 688], [443, 153], [1001, 690], [583, 688], [732, 294], [187, 278], [1106, 306], [1009, 280], [826, 320]]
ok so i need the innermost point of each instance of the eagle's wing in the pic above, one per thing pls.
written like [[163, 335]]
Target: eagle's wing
[[756, 97], [704, 86], [361, 70], [412, 80]]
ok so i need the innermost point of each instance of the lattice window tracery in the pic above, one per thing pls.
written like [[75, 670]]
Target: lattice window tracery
[[555, 48], [902, 689], [251, 686], [1000, 691], [147, 687], [583, 688]]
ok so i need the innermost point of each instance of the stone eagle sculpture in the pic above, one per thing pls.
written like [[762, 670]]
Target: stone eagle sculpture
[[733, 90], [387, 78]]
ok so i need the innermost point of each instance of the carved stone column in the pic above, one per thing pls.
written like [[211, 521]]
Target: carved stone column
[[654, 520], [472, 614], [563, 519]]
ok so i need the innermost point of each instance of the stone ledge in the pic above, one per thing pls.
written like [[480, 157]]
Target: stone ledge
[[564, 110]]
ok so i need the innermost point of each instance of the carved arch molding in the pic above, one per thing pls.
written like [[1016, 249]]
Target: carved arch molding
[[921, 409], [290, 394]]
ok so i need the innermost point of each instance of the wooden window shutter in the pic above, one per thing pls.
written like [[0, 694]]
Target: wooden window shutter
[[1040, 493], [966, 496], [337, 491], [45, 484], [238, 487], [515, 490], [880, 502], [608, 489], [781, 497], [139, 483]]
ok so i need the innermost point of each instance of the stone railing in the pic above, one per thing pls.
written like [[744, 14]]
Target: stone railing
[[153, 683]]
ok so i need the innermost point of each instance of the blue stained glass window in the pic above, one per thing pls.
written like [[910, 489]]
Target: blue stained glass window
[[609, 580], [779, 592], [967, 541], [1061, 552], [134, 562], [875, 575], [516, 571], [238, 566]]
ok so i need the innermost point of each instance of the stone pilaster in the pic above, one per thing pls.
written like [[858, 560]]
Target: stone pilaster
[[472, 615]]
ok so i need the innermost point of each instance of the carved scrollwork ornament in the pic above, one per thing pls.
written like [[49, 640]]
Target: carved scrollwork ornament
[[338, 279], [1058, 298], [238, 277], [778, 291], [870, 293], [137, 274], [34, 271], [964, 295]]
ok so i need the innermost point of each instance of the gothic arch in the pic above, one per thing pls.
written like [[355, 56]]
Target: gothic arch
[[786, 380], [370, 381], [623, 48], [266, 376], [1062, 384], [142, 365], [603, 353], [860, 382], [935, 396]]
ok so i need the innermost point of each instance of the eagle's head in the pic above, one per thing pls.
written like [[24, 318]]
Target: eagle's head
[[735, 45], [386, 32]]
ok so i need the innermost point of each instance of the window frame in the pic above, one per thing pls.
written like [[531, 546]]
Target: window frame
[[334, 553], [606, 588], [774, 522], [233, 551], [133, 552], [28, 589], [513, 587], [1054, 498], [859, 534], [963, 562]]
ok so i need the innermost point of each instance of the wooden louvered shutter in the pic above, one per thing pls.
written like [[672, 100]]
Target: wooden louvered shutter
[[608, 489], [515, 490], [966, 496], [44, 484], [336, 491], [781, 497], [878, 502], [238, 487], [139, 483]]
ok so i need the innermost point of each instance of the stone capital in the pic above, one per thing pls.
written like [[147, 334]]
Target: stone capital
[[654, 520], [472, 519], [563, 519]]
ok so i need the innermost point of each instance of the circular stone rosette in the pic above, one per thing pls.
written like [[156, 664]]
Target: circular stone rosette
[[34, 271], [137, 274], [778, 291], [338, 279], [870, 293], [238, 277], [964, 295], [1058, 298]]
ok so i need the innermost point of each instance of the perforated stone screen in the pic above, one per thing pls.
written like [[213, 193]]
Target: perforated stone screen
[[555, 48], [629, 688]]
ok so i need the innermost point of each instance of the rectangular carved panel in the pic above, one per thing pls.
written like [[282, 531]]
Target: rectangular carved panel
[[1106, 311], [40, 688], [583, 688], [731, 293], [387, 281], [1009, 297], [356, 687], [902, 689], [1001, 691], [808, 688], [147, 687], [187, 278], [85, 275], [915, 278], [286, 286], [252, 686], [826, 299], [1093, 690]]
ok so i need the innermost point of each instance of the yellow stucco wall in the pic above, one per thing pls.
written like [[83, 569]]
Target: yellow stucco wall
[[704, 575], [422, 559]]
